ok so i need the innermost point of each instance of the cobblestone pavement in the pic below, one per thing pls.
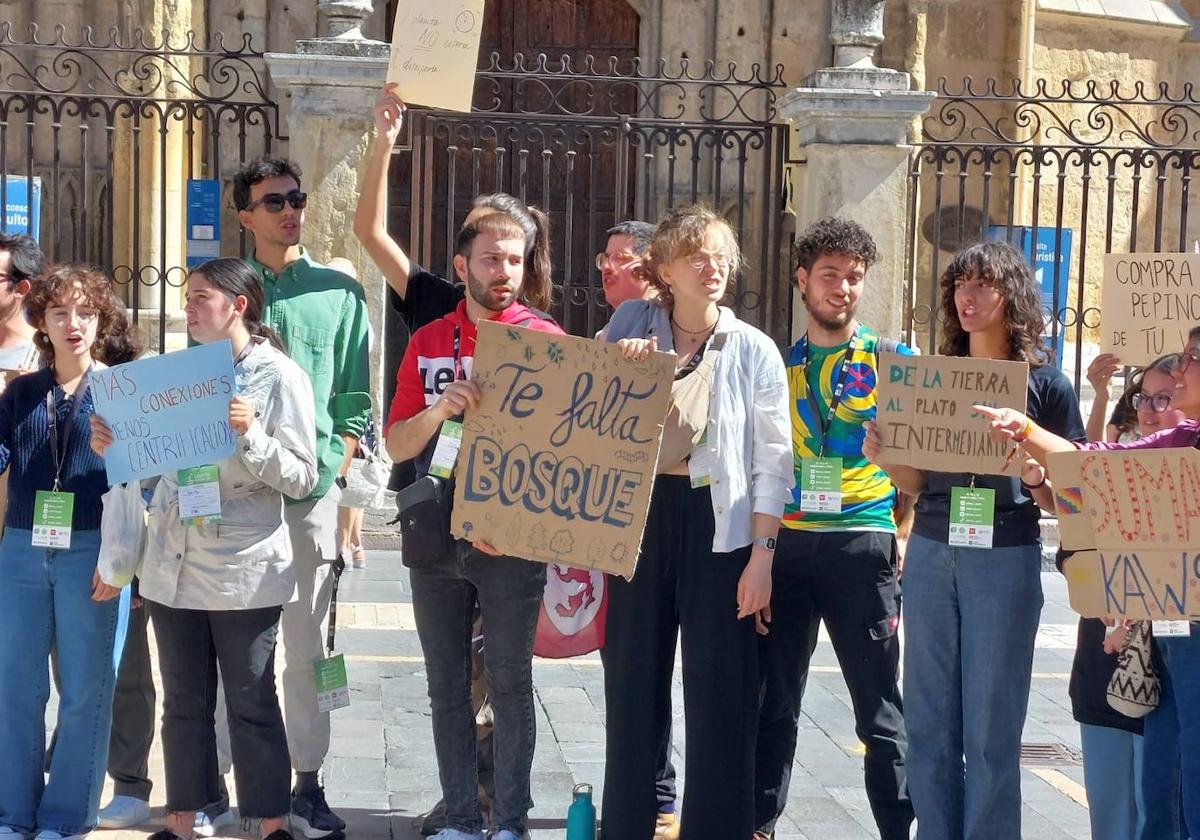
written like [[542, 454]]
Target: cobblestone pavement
[[381, 771]]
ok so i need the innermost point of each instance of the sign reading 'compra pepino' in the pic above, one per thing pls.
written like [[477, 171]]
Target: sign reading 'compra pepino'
[[1149, 303], [558, 461]]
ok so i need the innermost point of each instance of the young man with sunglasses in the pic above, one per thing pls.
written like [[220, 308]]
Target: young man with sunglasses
[[321, 315]]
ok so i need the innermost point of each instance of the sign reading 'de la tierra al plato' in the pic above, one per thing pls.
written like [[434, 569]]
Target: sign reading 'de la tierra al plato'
[[1150, 302], [558, 461], [926, 417], [435, 47], [1133, 519], [167, 412]]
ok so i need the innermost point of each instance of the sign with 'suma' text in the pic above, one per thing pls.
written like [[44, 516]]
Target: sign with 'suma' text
[[167, 412], [1150, 302], [1133, 517], [926, 416], [558, 461]]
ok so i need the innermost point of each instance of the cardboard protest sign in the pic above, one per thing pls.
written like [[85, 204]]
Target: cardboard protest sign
[[435, 48], [925, 415], [1131, 516], [558, 462], [167, 412], [1150, 301]]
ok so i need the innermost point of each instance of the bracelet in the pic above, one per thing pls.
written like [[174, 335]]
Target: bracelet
[[1041, 483], [1026, 431]]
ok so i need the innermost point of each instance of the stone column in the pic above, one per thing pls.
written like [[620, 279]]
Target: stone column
[[333, 83], [851, 121]]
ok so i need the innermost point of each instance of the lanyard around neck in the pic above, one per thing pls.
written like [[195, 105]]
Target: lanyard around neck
[[52, 426], [839, 387]]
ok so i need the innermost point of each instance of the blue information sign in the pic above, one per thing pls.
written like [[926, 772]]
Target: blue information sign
[[22, 206], [1052, 277], [203, 220]]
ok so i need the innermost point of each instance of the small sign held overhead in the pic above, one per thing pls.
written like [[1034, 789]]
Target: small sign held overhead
[[435, 48]]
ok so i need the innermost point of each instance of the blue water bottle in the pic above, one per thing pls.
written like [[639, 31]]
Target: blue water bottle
[[581, 816]]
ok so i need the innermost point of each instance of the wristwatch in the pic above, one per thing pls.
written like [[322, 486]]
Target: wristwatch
[[340, 481], [765, 542]]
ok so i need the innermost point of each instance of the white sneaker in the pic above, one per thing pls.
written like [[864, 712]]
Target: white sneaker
[[455, 834], [124, 812], [205, 827], [7, 832], [47, 834]]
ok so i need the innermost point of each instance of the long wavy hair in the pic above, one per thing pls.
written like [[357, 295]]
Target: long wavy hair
[[1007, 270]]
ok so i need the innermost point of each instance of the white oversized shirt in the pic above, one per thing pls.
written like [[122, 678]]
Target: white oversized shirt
[[749, 427]]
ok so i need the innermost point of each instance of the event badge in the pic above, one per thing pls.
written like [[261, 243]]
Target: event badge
[[199, 495], [333, 689], [52, 514], [1166, 627], [700, 463], [445, 454], [972, 516], [821, 485]]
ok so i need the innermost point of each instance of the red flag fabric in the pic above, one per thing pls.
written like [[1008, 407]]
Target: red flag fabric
[[574, 607]]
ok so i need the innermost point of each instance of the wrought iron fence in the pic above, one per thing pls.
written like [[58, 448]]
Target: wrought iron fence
[[1084, 169], [111, 126], [600, 142]]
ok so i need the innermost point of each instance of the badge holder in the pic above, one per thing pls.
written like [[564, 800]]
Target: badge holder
[[972, 516], [821, 485], [199, 495], [329, 672]]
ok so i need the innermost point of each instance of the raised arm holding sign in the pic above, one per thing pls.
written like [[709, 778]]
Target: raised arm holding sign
[[435, 47]]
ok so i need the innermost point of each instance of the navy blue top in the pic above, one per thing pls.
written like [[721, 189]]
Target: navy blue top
[[25, 451]]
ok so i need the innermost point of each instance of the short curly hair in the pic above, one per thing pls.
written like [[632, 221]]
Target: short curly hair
[[682, 233], [844, 237], [56, 285], [257, 171]]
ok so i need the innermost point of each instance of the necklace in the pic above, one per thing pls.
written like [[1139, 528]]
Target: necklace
[[682, 328]]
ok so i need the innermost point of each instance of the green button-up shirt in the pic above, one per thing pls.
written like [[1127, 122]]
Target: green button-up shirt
[[321, 315]]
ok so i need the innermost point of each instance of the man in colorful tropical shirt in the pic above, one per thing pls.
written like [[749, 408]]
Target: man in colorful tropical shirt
[[837, 559]]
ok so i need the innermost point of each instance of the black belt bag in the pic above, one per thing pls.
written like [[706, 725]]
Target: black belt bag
[[424, 508]]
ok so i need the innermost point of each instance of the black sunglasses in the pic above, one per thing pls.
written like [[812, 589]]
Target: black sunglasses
[[274, 201]]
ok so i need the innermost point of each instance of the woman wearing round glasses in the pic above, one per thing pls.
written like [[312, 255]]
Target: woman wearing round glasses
[[1180, 654]]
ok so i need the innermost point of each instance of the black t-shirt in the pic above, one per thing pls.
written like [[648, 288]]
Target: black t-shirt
[[430, 296], [1053, 406]]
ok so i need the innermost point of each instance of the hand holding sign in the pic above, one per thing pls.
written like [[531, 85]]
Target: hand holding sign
[[389, 113], [435, 47]]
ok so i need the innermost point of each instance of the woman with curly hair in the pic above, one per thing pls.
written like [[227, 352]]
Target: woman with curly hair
[[53, 597], [971, 614]]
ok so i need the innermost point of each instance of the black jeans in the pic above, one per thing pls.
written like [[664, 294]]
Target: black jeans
[[847, 579], [132, 732], [509, 592], [190, 644], [682, 587]]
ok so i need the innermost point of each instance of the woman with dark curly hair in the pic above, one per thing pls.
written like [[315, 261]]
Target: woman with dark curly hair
[[53, 597], [971, 614]]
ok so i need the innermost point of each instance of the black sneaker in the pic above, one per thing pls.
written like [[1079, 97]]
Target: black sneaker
[[279, 834], [312, 818]]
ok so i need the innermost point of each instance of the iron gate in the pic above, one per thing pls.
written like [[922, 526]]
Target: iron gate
[[113, 125], [599, 143], [1111, 164]]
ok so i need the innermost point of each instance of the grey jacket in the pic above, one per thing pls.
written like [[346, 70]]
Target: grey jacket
[[245, 560]]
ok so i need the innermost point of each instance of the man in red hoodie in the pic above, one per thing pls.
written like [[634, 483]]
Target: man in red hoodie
[[433, 385]]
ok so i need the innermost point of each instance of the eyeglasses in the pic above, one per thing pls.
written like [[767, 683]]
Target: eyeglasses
[[621, 260], [274, 202], [1185, 360], [701, 260], [1157, 403]]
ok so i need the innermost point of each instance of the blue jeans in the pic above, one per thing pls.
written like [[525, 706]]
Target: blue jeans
[[1112, 770], [45, 603], [970, 620], [1160, 777], [509, 592], [1181, 656]]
